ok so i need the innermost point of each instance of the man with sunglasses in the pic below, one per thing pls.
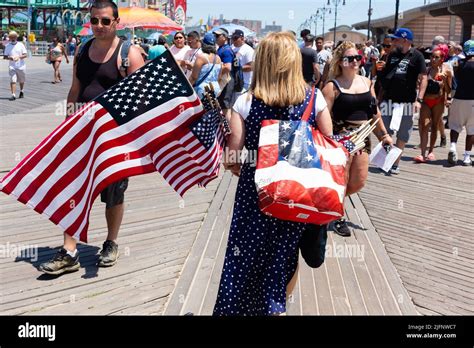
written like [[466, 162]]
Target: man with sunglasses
[[98, 68], [399, 76]]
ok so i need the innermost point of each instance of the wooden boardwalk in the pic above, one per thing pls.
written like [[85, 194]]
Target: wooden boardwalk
[[411, 251], [425, 216]]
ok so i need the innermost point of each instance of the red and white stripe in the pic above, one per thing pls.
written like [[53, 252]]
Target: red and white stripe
[[63, 175], [185, 162]]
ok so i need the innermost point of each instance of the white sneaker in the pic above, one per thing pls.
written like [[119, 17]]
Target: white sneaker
[[467, 160]]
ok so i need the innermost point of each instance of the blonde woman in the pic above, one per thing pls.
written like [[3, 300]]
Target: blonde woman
[[351, 100], [262, 252]]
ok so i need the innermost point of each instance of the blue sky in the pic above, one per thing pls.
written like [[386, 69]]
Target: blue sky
[[291, 13]]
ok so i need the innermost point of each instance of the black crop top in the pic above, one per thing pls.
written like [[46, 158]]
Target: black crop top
[[352, 107]]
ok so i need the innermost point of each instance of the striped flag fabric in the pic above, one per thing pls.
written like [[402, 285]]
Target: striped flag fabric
[[151, 120], [300, 174]]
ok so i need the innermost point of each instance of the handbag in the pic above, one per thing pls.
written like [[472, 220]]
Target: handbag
[[300, 174]]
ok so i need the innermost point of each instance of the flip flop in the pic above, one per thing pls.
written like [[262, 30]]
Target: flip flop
[[419, 159], [431, 157]]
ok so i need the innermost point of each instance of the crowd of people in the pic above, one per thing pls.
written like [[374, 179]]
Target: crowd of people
[[342, 87]]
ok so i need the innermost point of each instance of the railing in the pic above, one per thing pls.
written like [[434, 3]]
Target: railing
[[64, 3], [39, 48]]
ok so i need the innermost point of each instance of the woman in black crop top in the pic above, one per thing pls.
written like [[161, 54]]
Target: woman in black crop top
[[351, 101]]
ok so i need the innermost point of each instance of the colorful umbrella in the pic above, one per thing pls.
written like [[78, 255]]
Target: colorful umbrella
[[84, 31], [133, 17], [231, 27]]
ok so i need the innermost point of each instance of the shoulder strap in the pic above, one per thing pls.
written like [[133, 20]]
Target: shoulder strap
[[336, 84], [309, 107], [82, 49], [124, 55], [202, 79]]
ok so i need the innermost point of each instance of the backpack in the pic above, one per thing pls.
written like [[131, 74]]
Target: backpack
[[123, 53], [237, 73]]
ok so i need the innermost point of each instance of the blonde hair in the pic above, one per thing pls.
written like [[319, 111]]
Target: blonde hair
[[334, 68], [278, 74]]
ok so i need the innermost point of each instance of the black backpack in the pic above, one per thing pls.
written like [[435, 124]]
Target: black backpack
[[237, 73], [123, 53]]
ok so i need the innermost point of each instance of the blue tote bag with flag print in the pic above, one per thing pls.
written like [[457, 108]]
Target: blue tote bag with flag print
[[300, 173]]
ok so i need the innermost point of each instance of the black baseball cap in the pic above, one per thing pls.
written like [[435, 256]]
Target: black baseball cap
[[238, 33]]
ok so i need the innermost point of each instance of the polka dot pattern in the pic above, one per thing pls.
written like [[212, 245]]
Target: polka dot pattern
[[262, 252]]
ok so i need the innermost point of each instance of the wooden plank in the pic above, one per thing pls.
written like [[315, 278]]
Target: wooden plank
[[403, 298], [323, 292], [307, 289], [176, 301], [377, 275], [293, 303], [194, 299]]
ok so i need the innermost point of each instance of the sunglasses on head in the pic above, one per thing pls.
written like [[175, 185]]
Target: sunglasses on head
[[104, 21], [350, 59]]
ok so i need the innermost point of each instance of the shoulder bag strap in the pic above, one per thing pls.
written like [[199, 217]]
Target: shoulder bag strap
[[309, 107]]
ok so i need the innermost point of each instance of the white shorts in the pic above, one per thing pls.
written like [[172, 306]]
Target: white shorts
[[461, 114], [17, 75]]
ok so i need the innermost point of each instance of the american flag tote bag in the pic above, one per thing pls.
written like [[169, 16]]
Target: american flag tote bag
[[300, 173]]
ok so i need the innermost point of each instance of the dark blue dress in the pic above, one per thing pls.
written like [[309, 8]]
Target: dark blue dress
[[262, 252]]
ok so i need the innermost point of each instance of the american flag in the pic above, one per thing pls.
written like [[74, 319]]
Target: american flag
[[151, 120]]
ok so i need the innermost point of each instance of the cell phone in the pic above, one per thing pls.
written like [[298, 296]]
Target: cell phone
[[387, 148]]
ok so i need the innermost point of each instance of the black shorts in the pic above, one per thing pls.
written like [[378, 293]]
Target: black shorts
[[313, 244], [225, 98], [114, 194]]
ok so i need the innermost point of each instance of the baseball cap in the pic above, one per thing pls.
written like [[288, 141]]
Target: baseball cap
[[238, 33], [209, 39], [221, 31], [469, 48], [402, 33]]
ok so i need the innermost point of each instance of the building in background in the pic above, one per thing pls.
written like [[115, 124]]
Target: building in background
[[345, 33], [271, 28], [451, 19]]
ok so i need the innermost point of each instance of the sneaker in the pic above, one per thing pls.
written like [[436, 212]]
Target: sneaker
[[341, 228], [12, 98], [395, 170], [452, 158], [61, 263], [443, 142], [109, 254], [21, 95], [467, 161]]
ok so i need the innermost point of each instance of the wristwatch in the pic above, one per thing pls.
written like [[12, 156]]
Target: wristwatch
[[419, 100]]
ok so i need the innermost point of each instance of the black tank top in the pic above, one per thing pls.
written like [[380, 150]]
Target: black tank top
[[96, 78], [351, 107]]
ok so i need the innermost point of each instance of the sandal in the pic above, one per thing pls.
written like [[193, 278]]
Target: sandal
[[419, 159], [431, 157]]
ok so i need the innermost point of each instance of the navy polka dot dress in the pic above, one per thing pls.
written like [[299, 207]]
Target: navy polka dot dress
[[262, 252]]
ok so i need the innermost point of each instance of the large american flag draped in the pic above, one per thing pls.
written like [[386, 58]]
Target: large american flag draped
[[151, 120]]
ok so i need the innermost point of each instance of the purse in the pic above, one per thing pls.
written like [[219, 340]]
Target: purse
[[300, 174]]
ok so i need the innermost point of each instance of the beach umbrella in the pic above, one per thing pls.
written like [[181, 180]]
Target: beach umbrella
[[136, 17], [233, 27]]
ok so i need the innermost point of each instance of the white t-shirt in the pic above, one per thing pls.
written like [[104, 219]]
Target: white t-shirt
[[323, 57], [243, 103], [13, 50], [179, 53], [245, 54], [191, 56]]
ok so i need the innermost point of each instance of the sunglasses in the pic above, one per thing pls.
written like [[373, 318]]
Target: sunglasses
[[178, 38], [350, 59], [103, 21], [436, 57], [386, 46]]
